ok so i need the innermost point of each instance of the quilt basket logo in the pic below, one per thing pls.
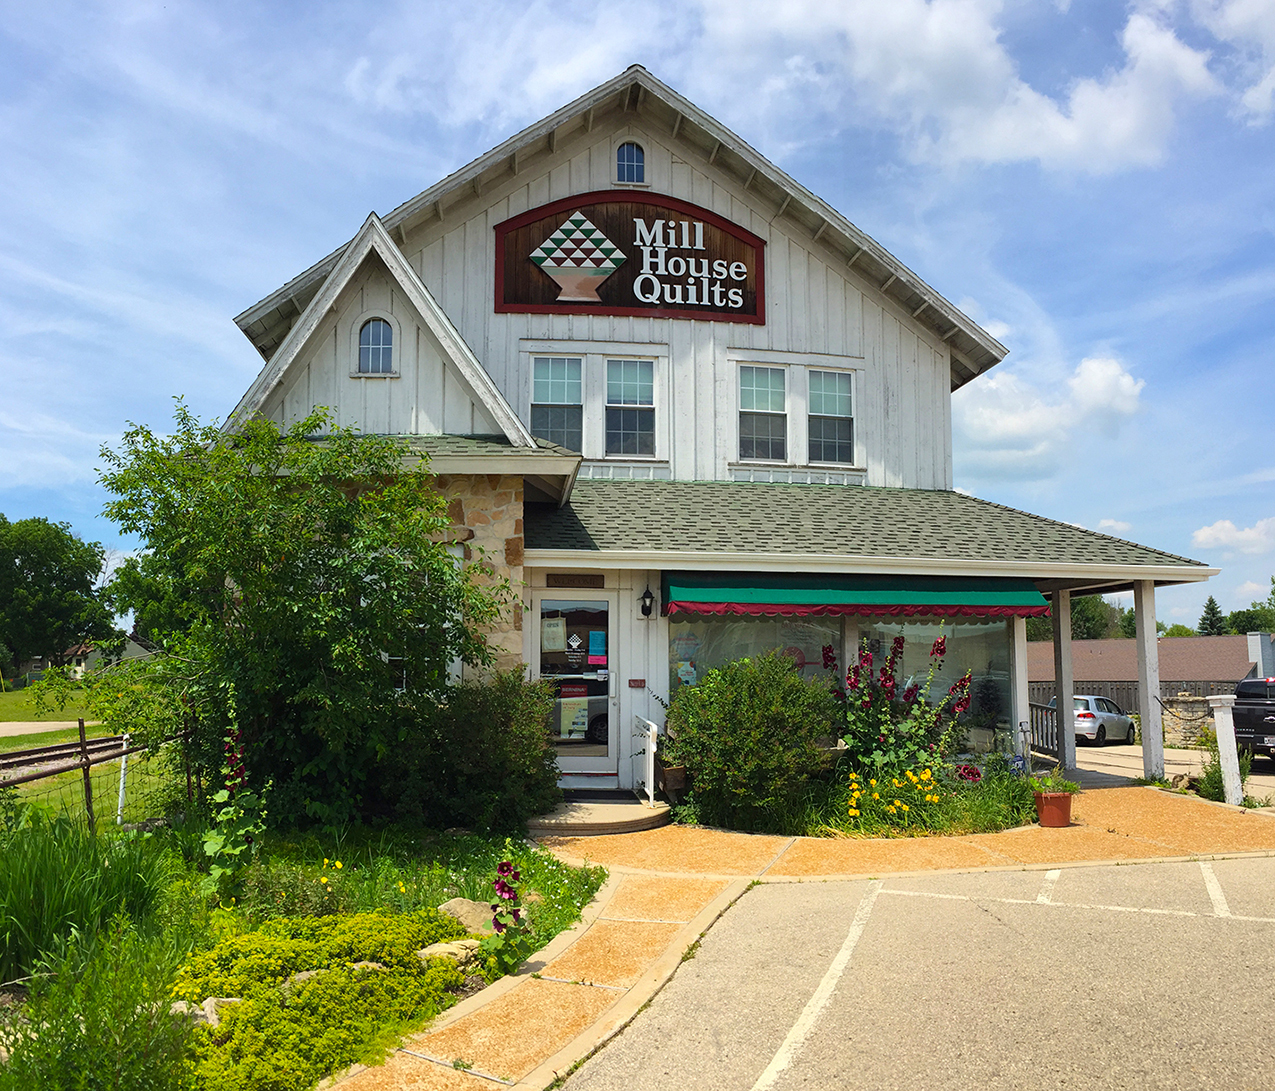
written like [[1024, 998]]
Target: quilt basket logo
[[579, 257]]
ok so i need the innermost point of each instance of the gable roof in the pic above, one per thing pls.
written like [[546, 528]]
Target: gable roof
[[1182, 659], [848, 528], [972, 349], [373, 239]]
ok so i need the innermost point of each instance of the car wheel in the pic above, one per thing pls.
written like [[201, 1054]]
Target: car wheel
[[597, 731], [1100, 738], [1130, 737]]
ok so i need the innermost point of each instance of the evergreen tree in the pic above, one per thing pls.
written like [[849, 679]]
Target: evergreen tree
[[1212, 621]]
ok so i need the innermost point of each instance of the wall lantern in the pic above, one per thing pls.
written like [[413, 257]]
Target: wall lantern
[[647, 600]]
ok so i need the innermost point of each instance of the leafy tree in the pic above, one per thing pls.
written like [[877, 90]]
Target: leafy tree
[[1212, 621], [49, 600], [306, 605], [1092, 618], [1258, 618], [1180, 630]]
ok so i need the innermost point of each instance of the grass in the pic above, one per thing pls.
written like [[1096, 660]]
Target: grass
[[19, 707], [44, 738]]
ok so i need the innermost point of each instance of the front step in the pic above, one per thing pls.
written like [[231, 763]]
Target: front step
[[591, 781], [594, 817]]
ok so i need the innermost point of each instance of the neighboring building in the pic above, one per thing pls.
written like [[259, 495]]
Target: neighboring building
[[1199, 665], [85, 657], [688, 407]]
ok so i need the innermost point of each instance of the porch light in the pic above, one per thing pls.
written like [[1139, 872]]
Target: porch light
[[647, 600]]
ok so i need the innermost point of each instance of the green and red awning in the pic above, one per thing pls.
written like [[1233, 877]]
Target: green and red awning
[[785, 594]]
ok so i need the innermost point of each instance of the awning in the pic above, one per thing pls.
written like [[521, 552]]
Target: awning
[[771, 593]]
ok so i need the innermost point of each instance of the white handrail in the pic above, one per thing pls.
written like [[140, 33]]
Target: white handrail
[[650, 732]]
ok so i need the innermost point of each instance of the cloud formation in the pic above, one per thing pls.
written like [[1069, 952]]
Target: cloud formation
[[1008, 429], [1259, 538], [1114, 526]]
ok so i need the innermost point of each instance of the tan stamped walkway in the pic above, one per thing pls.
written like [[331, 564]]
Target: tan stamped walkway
[[669, 885]]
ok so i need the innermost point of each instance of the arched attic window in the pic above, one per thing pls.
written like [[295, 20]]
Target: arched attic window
[[630, 163], [376, 347]]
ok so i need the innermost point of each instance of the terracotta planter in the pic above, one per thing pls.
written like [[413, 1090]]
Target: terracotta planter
[[1053, 808], [670, 778]]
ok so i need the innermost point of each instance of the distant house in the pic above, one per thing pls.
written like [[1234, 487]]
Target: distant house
[[84, 657], [1200, 665]]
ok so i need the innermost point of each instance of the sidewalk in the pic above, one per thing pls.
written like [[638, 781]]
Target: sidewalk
[[669, 885]]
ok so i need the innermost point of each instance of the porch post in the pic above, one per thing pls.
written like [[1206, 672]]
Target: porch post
[[1148, 680], [1020, 707], [1064, 681]]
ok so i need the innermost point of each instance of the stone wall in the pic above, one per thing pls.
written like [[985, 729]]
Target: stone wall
[[486, 515], [1184, 718]]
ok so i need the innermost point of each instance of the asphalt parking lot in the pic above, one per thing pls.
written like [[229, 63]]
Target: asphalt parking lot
[[1147, 976]]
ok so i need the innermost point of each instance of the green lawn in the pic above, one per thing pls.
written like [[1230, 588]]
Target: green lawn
[[19, 706], [44, 738]]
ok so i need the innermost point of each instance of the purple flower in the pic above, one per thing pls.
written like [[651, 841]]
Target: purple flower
[[909, 694], [504, 868], [504, 890], [495, 923], [516, 913]]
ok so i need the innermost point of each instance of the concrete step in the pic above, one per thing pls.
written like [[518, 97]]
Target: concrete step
[[591, 817]]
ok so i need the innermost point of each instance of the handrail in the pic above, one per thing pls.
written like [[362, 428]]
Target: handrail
[[644, 728]]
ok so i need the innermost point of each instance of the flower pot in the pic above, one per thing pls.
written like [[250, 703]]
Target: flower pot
[[1053, 808], [670, 778]]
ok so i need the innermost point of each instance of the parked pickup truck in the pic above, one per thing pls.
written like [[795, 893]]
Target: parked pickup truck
[[1255, 716]]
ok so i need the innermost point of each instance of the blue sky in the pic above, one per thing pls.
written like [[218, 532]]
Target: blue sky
[[1091, 181]]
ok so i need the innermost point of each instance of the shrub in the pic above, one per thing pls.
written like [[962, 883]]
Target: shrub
[[482, 759], [1210, 783], [58, 880], [107, 1025], [749, 734]]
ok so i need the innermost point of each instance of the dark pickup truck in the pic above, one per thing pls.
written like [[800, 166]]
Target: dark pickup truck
[[1255, 716]]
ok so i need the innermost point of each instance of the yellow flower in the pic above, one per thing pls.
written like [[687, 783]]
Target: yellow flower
[[873, 783], [897, 803], [904, 806], [325, 861], [925, 775], [854, 813], [323, 878], [876, 795], [337, 865], [890, 809], [898, 783]]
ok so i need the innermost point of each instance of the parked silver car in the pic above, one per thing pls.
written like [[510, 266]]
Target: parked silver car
[[1098, 719]]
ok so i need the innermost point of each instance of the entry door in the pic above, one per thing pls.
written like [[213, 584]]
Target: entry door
[[576, 652]]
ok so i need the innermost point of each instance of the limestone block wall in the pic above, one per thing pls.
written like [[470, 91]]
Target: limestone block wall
[[486, 514], [1184, 718]]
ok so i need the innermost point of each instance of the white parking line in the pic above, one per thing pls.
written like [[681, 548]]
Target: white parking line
[[1220, 908], [814, 1006], [1047, 887], [1083, 905]]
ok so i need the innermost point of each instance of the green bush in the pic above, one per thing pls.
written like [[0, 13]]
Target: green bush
[[481, 760], [104, 1025], [1210, 783], [749, 734], [59, 881]]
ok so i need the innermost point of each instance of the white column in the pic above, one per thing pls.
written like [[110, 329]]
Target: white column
[[1224, 722], [1020, 710], [1064, 681], [1148, 680]]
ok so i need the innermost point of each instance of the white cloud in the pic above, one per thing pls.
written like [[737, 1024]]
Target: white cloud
[[1114, 526], [1249, 590], [939, 70], [1249, 27], [1259, 538], [1006, 428]]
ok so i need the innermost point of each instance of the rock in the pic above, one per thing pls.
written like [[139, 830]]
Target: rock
[[1180, 781], [475, 916], [208, 1011], [463, 952], [366, 966], [533, 897]]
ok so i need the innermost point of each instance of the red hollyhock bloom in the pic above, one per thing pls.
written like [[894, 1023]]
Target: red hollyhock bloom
[[829, 657], [939, 649]]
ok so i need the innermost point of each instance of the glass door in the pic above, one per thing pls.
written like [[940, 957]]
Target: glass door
[[576, 656]]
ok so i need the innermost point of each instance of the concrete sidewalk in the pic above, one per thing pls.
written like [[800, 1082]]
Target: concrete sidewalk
[[669, 885]]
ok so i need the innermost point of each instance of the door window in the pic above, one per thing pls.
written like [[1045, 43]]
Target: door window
[[575, 657]]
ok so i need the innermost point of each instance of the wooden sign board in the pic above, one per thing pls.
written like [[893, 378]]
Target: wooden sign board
[[623, 252], [575, 579]]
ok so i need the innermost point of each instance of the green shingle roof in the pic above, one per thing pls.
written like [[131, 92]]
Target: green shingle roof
[[449, 445], [842, 520]]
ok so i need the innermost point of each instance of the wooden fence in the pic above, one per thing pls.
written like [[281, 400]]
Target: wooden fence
[[1125, 694]]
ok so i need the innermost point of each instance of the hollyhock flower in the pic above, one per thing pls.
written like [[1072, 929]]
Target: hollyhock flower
[[497, 925], [865, 658], [852, 679], [504, 868], [939, 648], [504, 890], [829, 657], [909, 694], [896, 646]]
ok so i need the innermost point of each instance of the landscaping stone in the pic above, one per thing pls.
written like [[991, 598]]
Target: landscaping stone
[[461, 951], [475, 916], [1180, 781]]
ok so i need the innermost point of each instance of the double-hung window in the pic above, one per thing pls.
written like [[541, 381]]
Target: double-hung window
[[557, 401], [831, 420], [763, 421], [630, 408]]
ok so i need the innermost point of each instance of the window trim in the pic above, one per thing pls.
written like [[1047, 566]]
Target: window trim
[[567, 357], [595, 355], [396, 332], [618, 143], [854, 405], [797, 410], [607, 405]]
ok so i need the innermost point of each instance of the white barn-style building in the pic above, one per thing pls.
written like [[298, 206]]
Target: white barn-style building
[[693, 413]]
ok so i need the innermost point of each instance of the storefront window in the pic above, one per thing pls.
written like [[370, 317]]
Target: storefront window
[[700, 644]]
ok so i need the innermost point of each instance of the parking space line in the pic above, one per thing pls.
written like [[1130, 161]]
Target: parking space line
[[1220, 908], [1047, 887], [801, 1030]]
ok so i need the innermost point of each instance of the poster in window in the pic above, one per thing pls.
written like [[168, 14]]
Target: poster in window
[[597, 647], [553, 634]]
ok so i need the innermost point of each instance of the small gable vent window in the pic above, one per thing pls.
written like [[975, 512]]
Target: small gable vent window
[[376, 347], [630, 163]]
